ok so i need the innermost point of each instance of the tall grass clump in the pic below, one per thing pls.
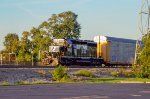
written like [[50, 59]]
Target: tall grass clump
[[84, 73], [5, 83]]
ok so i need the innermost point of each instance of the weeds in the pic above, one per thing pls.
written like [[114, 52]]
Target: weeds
[[5, 83], [84, 73], [40, 82], [22, 83], [122, 73], [115, 73]]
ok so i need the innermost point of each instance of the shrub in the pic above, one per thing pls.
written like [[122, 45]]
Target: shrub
[[84, 73], [59, 73]]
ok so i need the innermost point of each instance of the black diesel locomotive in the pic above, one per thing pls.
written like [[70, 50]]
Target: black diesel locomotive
[[74, 52]]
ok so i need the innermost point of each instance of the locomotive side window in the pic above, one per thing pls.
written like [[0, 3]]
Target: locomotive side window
[[69, 51], [92, 50], [81, 49], [75, 50], [78, 50]]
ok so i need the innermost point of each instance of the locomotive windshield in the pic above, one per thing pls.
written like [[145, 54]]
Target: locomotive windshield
[[59, 42], [58, 45]]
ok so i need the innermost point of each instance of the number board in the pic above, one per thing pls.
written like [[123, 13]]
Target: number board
[[54, 48]]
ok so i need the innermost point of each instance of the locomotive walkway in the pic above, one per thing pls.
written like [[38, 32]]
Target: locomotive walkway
[[76, 91]]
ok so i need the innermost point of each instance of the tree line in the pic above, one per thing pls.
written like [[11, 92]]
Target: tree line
[[62, 25]]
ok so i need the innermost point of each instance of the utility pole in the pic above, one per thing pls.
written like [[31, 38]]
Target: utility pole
[[32, 58], [137, 51], [32, 55], [9, 57], [1, 59]]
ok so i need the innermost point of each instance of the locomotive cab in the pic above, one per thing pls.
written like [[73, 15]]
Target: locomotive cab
[[57, 50]]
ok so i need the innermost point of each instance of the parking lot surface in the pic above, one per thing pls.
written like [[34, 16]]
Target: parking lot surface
[[76, 91]]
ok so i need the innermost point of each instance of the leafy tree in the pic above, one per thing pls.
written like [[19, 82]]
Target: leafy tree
[[25, 43], [24, 48], [144, 59], [40, 40], [142, 66], [11, 42], [63, 25]]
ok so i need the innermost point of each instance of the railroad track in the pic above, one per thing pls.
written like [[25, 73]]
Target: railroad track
[[16, 66]]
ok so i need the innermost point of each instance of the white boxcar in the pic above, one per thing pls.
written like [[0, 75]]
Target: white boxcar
[[116, 50]]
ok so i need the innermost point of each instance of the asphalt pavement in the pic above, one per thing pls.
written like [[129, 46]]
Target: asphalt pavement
[[76, 91]]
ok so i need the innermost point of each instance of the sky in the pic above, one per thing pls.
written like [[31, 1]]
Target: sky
[[116, 18]]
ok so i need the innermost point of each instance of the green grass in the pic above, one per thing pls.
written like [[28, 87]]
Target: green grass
[[116, 80], [137, 79], [33, 82], [90, 80]]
